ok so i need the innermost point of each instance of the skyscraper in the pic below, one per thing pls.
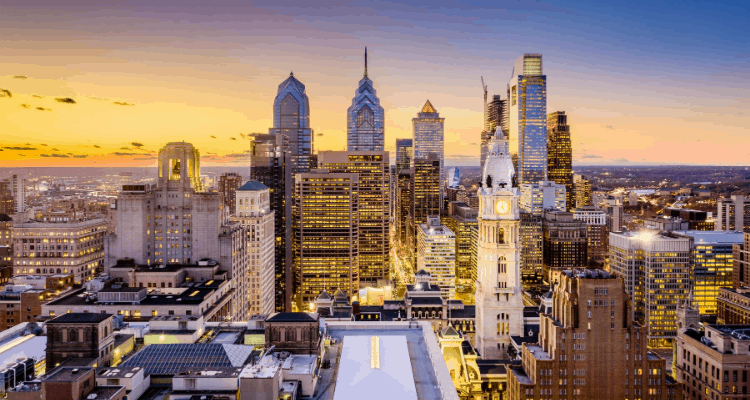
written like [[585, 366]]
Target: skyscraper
[[582, 189], [270, 164], [527, 95], [404, 154], [428, 148], [560, 154], [462, 221], [374, 207], [564, 243], [436, 254], [732, 214], [427, 189], [255, 214], [228, 184], [499, 302], [404, 198], [539, 196], [326, 234], [365, 118], [291, 118]]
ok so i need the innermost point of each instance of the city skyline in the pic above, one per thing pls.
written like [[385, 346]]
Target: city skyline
[[120, 84]]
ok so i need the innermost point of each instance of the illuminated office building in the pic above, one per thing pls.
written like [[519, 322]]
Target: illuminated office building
[[365, 118], [540, 196], [733, 214], [656, 268], [597, 233], [527, 98], [253, 200], [228, 184], [560, 154], [427, 188], [374, 207], [462, 220], [326, 234], [741, 263], [404, 220], [531, 236], [6, 197], [436, 254], [564, 243], [582, 189], [712, 265], [291, 118], [590, 348], [269, 161], [428, 152], [404, 154]]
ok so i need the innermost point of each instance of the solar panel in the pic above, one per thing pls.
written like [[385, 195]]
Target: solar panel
[[169, 359]]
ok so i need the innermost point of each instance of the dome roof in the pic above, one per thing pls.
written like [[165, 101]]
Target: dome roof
[[499, 164]]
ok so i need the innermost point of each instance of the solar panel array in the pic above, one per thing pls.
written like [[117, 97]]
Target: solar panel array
[[169, 359]]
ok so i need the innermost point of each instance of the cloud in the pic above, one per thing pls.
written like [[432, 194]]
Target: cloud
[[56, 155], [67, 100], [44, 144], [23, 148], [232, 138], [22, 155], [55, 149], [213, 136], [242, 135], [610, 127], [98, 98], [5, 92], [620, 160], [43, 109], [96, 146], [137, 144], [122, 154], [38, 96], [24, 105], [236, 155], [123, 103], [126, 148], [19, 77], [80, 156], [591, 156], [320, 134], [144, 158]]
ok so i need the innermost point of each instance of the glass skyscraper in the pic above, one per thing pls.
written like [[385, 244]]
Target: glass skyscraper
[[291, 118], [365, 118], [428, 151], [527, 98], [404, 154], [560, 154]]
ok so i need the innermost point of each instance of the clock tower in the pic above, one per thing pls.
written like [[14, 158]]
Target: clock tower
[[499, 302]]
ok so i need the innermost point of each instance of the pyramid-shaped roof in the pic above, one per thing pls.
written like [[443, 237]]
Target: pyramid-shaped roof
[[324, 295], [428, 108], [339, 294], [253, 186], [449, 331], [294, 82]]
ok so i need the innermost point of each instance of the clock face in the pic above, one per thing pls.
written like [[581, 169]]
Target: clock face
[[502, 207]]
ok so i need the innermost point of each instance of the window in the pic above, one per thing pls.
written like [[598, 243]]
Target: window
[[190, 383]]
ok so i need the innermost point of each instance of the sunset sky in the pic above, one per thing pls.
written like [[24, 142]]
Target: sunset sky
[[108, 85]]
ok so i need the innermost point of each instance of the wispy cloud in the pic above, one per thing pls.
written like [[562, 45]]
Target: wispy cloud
[[43, 109], [591, 157], [24, 105], [5, 93], [137, 144], [19, 77], [24, 148], [38, 96], [123, 103], [66, 100]]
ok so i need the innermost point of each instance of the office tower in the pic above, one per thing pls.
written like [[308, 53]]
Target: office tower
[[374, 207], [527, 95], [291, 119], [733, 306], [79, 335], [326, 234], [428, 149], [712, 265], [253, 200], [6, 230], [228, 184], [270, 163], [531, 236], [614, 208], [404, 198], [427, 188], [540, 196], [454, 178], [365, 118], [589, 347], [51, 248], [597, 233], [404, 154], [741, 263], [461, 220], [711, 363], [656, 268], [697, 220], [436, 254], [18, 188], [582, 189], [178, 223], [733, 214], [6, 197], [499, 302], [560, 154], [565, 243]]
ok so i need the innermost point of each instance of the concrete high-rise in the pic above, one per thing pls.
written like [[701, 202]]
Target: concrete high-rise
[[365, 118], [499, 302], [597, 233], [589, 347], [291, 118], [374, 207], [253, 200], [270, 164], [564, 242], [527, 98], [733, 214], [560, 154], [228, 184], [177, 222], [543, 195], [428, 152], [326, 234], [436, 254], [656, 268], [741, 263], [462, 220]]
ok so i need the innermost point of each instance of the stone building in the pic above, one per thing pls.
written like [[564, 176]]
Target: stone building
[[297, 333], [80, 335]]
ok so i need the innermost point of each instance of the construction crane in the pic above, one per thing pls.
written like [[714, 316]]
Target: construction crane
[[484, 109]]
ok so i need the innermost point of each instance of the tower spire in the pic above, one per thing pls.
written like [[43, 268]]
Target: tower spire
[[365, 61]]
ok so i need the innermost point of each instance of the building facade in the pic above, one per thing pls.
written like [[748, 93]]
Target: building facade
[[532, 245], [527, 95], [543, 195], [564, 243], [733, 214], [582, 190], [404, 154], [560, 154], [436, 254], [326, 234], [597, 233], [228, 184], [374, 207], [253, 201], [733, 306], [72, 335], [365, 118], [428, 154], [741, 263], [291, 120], [590, 348], [462, 221], [499, 303]]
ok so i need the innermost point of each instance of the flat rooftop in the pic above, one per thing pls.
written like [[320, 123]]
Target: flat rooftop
[[117, 372], [714, 237], [80, 318]]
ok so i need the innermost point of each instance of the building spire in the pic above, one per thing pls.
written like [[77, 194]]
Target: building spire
[[365, 61]]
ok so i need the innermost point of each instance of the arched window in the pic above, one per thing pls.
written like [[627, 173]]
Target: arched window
[[500, 235], [72, 335], [501, 265]]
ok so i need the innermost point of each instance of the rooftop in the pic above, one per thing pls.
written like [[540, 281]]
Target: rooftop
[[80, 318], [292, 317], [714, 237], [117, 372], [253, 185], [65, 374], [169, 359]]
